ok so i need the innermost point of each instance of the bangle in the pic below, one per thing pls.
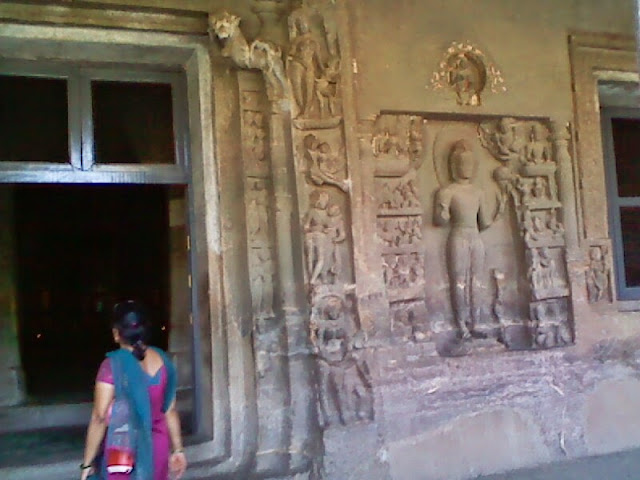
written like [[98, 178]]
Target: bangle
[[84, 467], [177, 450]]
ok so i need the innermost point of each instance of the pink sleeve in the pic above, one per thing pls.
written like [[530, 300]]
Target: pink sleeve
[[105, 374]]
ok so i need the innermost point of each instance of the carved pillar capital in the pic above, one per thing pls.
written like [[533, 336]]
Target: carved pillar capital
[[270, 13], [258, 54]]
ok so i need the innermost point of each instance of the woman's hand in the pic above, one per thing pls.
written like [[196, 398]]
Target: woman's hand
[[177, 464], [85, 472]]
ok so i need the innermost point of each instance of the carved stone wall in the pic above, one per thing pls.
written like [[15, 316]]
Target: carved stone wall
[[475, 203], [371, 223], [313, 63], [269, 332], [396, 147]]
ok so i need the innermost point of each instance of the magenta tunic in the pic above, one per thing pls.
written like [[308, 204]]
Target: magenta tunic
[[157, 385]]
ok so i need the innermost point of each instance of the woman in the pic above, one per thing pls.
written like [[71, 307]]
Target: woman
[[144, 379]]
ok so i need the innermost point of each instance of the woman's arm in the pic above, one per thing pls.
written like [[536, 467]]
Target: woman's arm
[[178, 461], [103, 397]]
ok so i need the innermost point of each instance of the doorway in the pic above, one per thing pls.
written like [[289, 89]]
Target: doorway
[[79, 250]]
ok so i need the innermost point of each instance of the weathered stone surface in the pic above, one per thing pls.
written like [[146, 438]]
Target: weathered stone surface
[[611, 416], [468, 446]]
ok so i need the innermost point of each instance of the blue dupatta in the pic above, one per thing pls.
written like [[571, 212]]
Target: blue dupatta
[[131, 382]]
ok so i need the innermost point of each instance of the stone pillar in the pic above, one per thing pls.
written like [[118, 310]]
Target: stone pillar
[[566, 185], [11, 375], [567, 196], [290, 288]]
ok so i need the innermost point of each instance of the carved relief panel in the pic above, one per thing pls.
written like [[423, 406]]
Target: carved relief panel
[[313, 68], [466, 71], [599, 272], [258, 193], [344, 384], [397, 150], [475, 203], [323, 186]]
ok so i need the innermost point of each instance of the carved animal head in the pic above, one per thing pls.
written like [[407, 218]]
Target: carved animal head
[[225, 25]]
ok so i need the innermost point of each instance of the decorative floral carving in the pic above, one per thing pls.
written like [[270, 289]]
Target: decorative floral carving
[[254, 136], [398, 195], [465, 70], [400, 232]]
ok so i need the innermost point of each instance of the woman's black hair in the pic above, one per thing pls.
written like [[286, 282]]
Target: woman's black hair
[[130, 319]]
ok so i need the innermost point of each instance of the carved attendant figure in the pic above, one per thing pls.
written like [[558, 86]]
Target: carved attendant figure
[[316, 239], [597, 275], [344, 380], [461, 205], [304, 65]]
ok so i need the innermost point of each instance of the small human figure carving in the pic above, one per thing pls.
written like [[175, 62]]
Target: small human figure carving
[[543, 271], [417, 268], [524, 186], [322, 164], [539, 189], [260, 264], [550, 277], [389, 263], [324, 232], [597, 275], [398, 195], [387, 143], [403, 271], [506, 138], [257, 215], [254, 136], [537, 151], [387, 233], [533, 227], [462, 206], [345, 382], [304, 64], [317, 242], [337, 233], [556, 227], [327, 87]]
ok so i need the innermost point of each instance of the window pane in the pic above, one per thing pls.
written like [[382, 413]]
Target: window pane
[[132, 122], [626, 142], [33, 115], [630, 220]]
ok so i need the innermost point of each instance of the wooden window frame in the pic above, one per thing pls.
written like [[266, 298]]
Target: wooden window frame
[[596, 57], [614, 201], [82, 167]]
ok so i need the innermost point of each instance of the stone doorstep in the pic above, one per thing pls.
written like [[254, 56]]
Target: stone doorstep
[[32, 417], [35, 417]]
